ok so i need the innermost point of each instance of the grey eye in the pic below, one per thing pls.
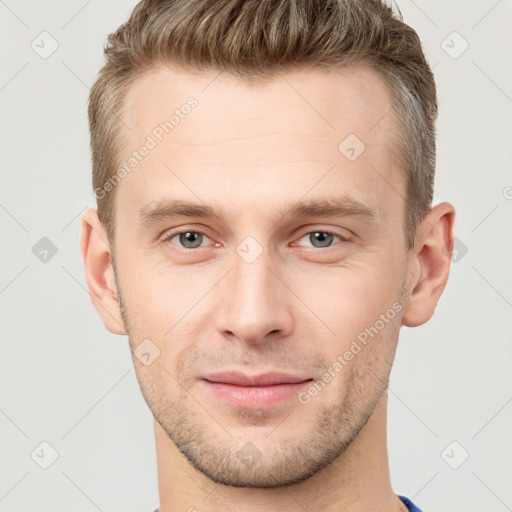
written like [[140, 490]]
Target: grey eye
[[190, 239], [321, 239]]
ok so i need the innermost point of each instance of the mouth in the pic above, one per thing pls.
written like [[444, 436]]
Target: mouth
[[255, 391]]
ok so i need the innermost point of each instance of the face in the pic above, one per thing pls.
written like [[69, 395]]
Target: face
[[254, 237]]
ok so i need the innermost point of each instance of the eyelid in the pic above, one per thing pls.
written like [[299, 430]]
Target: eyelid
[[332, 231]]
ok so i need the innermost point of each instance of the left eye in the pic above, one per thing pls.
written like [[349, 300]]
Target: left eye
[[321, 239]]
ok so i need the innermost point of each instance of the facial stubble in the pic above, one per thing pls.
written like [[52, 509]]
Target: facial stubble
[[214, 451]]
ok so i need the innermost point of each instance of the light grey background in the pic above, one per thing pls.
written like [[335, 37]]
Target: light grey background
[[65, 380]]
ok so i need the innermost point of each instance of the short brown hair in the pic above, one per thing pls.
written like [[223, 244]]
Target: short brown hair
[[253, 39]]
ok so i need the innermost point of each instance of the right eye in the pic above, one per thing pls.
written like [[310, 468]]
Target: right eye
[[187, 239]]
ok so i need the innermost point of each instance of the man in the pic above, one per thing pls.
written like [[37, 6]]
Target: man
[[264, 173]]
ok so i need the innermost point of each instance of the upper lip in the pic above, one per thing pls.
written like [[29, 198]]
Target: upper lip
[[262, 379]]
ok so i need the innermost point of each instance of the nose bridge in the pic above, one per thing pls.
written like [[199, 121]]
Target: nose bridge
[[252, 272], [253, 301]]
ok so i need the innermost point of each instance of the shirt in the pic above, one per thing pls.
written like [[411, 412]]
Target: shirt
[[408, 503]]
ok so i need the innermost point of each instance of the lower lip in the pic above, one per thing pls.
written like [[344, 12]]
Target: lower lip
[[255, 396]]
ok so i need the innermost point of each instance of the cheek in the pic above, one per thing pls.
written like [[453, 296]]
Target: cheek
[[343, 301], [362, 362], [174, 309], [158, 296]]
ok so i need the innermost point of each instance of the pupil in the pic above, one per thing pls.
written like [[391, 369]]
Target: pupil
[[190, 237], [323, 238]]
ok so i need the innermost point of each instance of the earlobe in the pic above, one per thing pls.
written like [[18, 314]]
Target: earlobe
[[99, 273], [431, 264]]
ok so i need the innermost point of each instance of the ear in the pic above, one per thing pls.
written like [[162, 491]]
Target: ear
[[430, 264], [99, 272]]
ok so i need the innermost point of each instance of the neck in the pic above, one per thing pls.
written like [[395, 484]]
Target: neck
[[358, 480]]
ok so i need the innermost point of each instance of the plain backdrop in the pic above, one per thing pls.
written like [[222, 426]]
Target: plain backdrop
[[68, 383]]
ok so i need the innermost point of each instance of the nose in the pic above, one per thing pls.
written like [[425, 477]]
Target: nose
[[254, 302]]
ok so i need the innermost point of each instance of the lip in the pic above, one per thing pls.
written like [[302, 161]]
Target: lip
[[255, 391], [261, 379]]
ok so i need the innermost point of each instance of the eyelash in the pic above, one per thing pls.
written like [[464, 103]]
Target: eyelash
[[170, 236]]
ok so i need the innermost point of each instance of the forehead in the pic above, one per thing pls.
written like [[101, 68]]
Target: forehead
[[351, 97], [261, 139]]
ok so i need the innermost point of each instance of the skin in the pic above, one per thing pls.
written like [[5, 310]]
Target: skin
[[249, 150]]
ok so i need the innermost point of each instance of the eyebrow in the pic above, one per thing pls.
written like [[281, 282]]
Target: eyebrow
[[345, 206]]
